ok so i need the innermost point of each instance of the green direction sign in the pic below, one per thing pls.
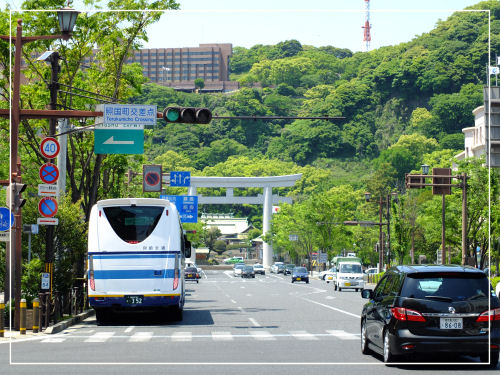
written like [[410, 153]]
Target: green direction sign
[[118, 141]]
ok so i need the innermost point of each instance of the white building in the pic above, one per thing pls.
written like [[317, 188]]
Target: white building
[[476, 137]]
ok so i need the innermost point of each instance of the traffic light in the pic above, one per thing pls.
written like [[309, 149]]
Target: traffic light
[[187, 115], [16, 189]]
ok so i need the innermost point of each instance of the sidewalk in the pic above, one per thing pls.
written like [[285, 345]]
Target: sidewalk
[[56, 328]]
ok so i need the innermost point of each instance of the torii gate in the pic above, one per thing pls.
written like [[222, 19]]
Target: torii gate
[[267, 199]]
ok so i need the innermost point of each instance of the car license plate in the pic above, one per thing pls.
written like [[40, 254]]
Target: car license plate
[[347, 284], [134, 300], [298, 278], [190, 275], [330, 277], [451, 323]]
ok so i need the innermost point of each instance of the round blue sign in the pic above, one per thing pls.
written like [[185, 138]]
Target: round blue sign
[[6, 219]]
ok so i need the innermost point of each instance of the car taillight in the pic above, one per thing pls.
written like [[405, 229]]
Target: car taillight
[[493, 314], [400, 313]]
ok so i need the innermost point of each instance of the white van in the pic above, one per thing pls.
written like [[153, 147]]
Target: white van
[[349, 275]]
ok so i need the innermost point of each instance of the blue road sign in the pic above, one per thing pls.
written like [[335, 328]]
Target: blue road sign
[[187, 205], [47, 207], [180, 178], [6, 219], [112, 141], [49, 173]]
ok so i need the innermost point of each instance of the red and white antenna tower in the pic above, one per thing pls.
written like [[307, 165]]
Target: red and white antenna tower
[[367, 37]]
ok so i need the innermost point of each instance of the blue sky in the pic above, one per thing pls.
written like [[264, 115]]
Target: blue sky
[[313, 22]]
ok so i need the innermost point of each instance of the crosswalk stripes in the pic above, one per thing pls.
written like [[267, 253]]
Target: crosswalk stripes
[[262, 335], [343, 335], [182, 336], [186, 336], [222, 336], [303, 335], [100, 337], [141, 337]]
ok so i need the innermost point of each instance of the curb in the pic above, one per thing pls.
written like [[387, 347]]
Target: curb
[[61, 326]]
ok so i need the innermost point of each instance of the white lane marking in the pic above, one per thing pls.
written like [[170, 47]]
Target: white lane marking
[[53, 339], [233, 301], [242, 287], [254, 322], [182, 336], [303, 335], [332, 308], [262, 335], [343, 335], [330, 297], [241, 309], [249, 295], [141, 337], [129, 329], [222, 336], [229, 274], [100, 337]]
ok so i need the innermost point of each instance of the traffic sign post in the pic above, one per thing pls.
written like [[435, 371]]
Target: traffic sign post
[[151, 178], [187, 205], [50, 147], [180, 178], [49, 173], [129, 114]]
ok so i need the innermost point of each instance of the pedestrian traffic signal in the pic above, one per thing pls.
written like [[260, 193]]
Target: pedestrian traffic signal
[[187, 115], [16, 190]]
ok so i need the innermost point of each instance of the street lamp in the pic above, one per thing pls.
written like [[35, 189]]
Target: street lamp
[[165, 69], [425, 169], [67, 18]]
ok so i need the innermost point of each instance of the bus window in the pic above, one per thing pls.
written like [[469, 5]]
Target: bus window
[[133, 224]]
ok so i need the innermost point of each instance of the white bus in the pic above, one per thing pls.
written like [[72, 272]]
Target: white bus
[[136, 252]]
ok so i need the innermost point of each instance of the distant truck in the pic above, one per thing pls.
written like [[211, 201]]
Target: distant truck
[[348, 273]]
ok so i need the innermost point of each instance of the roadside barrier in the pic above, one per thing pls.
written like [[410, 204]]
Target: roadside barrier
[[36, 315], [22, 328]]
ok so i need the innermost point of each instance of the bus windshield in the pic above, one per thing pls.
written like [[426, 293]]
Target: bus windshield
[[133, 223]]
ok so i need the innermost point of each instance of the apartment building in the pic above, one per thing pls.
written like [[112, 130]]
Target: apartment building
[[179, 67]]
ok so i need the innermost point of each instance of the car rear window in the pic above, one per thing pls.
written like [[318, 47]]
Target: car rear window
[[455, 286], [133, 223], [191, 269], [300, 269]]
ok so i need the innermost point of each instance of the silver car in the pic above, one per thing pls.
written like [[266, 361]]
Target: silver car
[[238, 267]]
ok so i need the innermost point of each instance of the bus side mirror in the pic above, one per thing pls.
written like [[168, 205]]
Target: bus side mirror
[[187, 248]]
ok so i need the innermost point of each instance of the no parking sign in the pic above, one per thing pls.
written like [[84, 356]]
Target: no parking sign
[[47, 207]]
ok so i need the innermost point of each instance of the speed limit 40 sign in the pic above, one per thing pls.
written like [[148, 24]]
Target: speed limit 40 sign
[[50, 147]]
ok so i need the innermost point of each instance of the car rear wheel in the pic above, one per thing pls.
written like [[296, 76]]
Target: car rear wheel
[[388, 356], [493, 359], [364, 340]]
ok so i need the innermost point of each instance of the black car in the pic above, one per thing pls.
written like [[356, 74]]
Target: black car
[[191, 273], [248, 271], [288, 269], [431, 309], [300, 274]]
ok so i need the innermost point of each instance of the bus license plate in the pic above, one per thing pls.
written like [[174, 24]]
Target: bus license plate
[[451, 323], [134, 300]]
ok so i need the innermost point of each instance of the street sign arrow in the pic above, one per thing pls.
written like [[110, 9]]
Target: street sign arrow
[[111, 141]]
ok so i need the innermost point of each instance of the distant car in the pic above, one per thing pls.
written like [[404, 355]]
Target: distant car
[[238, 267], [288, 269], [371, 271], [280, 268], [248, 271], [327, 275], [274, 267], [190, 264], [422, 309], [191, 273], [259, 269], [233, 260], [300, 274]]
